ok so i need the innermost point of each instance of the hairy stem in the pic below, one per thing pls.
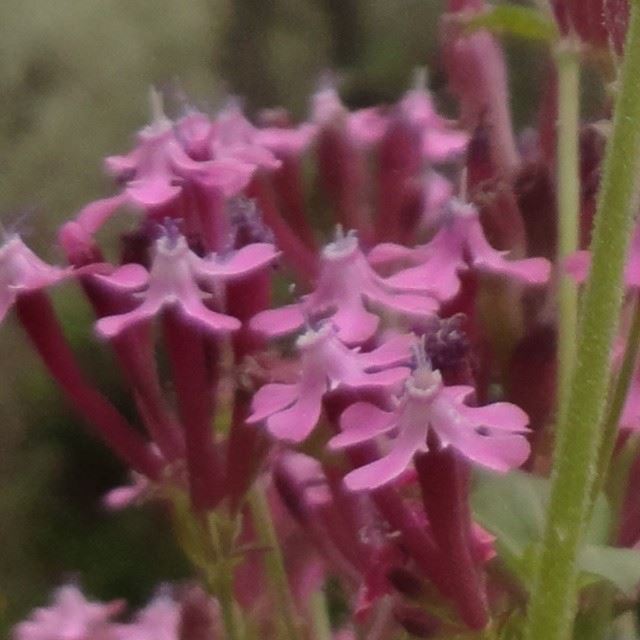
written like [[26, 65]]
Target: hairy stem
[[568, 187], [554, 595]]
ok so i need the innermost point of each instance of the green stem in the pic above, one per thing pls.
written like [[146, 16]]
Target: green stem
[[320, 616], [219, 573], [554, 596], [619, 396], [568, 182], [274, 564]]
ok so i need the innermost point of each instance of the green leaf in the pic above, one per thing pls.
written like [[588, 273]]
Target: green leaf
[[512, 507], [513, 20], [620, 567]]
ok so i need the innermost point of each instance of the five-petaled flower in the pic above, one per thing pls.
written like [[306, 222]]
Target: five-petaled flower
[[21, 271], [179, 277], [291, 411], [459, 245], [346, 288], [491, 436]]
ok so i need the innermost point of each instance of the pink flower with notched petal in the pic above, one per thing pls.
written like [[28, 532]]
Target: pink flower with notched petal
[[291, 411], [70, 617], [177, 278], [21, 271], [491, 436], [439, 140], [346, 290], [364, 127], [459, 245], [156, 170]]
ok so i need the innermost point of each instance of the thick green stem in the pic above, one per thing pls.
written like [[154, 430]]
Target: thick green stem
[[619, 397], [274, 564], [554, 595], [568, 188]]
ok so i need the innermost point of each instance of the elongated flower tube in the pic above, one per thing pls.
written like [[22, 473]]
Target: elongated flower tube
[[491, 436], [291, 411], [21, 271], [347, 293], [459, 245], [176, 278]]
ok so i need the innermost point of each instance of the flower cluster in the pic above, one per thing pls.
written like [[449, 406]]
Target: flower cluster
[[330, 430]]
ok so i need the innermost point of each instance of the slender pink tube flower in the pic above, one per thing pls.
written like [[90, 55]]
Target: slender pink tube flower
[[70, 617], [291, 411], [491, 436], [177, 277], [346, 290], [21, 271], [458, 246]]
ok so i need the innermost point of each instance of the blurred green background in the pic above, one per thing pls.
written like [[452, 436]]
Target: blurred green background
[[74, 78]]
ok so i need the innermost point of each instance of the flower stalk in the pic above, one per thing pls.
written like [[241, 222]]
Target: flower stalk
[[554, 595], [568, 181]]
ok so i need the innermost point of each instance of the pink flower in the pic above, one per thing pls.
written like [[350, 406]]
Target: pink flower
[[459, 245], [70, 617], [177, 277], [291, 411], [439, 140], [491, 436], [156, 170], [346, 287], [21, 271], [159, 620], [364, 127]]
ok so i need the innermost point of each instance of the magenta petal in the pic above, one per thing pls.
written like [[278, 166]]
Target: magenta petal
[[412, 438], [149, 192], [210, 320], [386, 252], [577, 265], [440, 145], [386, 378], [247, 259], [270, 399], [361, 422], [354, 324], [286, 141], [406, 303], [484, 256], [278, 322], [367, 126], [500, 453], [95, 214], [396, 350], [501, 416], [113, 325], [297, 422], [127, 277], [229, 175]]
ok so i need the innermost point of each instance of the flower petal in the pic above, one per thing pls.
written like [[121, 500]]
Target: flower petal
[[270, 399], [361, 422], [128, 277], [297, 422], [243, 261], [278, 322]]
